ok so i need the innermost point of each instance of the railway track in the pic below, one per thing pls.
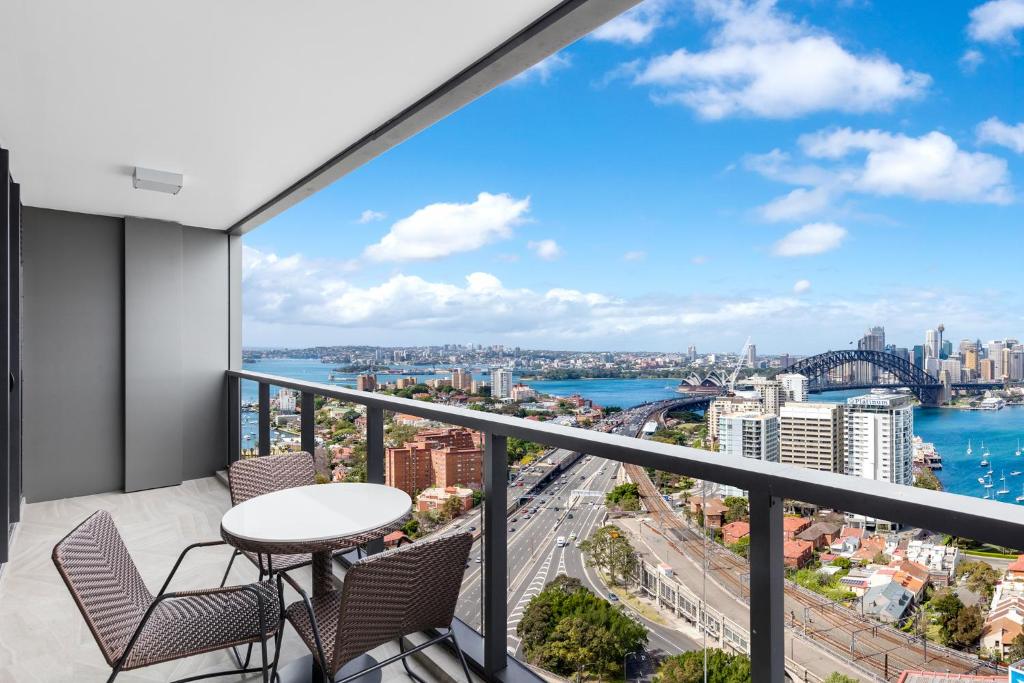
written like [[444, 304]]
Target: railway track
[[883, 650]]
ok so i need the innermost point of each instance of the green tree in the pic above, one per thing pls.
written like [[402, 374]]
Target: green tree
[[836, 677], [611, 552], [738, 509], [742, 546], [357, 470], [981, 576], [624, 496], [688, 667], [959, 626], [451, 508], [967, 627]]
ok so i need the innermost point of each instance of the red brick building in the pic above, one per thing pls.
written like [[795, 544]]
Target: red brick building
[[436, 458]]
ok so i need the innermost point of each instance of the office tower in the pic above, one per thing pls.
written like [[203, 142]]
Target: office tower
[[873, 340], [501, 383], [771, 392], [970, 358], [366, 383], [917, 356], [691, 352], [994, 351], [878, 430], [952, 368], [932, 365], [945, 349], [931, 344], [462, 380], [286, 400], [785, 361], [986, 370], [794, 386], [728, 405], [398, 356], [752, 355], [811, 436], [901, 352], [1015, 363]]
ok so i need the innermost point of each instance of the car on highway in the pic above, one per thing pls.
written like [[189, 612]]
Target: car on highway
[[569, 516], [472, 528], [560, 541], [612, 597], [511, 529]]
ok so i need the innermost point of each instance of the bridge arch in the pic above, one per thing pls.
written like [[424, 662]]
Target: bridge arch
[[928, 389]]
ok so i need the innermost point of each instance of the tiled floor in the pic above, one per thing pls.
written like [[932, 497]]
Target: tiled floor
[[42, 635]]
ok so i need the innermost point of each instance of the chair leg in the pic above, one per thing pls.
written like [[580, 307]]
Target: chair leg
[[227, 571], [405, 662], [462, 657]]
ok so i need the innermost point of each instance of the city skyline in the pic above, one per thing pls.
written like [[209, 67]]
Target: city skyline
[[639, 191]]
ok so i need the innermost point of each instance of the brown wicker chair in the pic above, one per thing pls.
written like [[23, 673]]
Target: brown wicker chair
[[384, 597], [134, 628], [253, 477]]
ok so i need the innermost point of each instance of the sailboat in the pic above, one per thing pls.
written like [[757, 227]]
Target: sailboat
[[969, 449], [1017, 452], [1002, 489], [988, 481], [1020, 498]]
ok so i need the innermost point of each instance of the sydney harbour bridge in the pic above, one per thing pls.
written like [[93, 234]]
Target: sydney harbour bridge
[[903, 373]]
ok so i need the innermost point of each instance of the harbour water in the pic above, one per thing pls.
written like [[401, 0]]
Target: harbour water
[[949, 429]]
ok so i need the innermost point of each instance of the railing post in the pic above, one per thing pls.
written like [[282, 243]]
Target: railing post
[[767, 643], [264, 426], [307, 424], [374, 459], [234, 419], [495, 569]]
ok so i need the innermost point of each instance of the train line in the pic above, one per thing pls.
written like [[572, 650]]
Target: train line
[[880, 649]]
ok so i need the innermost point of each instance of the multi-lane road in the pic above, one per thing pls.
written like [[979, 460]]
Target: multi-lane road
[[568, 506]]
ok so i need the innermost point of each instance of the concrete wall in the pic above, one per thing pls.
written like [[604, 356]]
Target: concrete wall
[[73, 376], [127, 335]]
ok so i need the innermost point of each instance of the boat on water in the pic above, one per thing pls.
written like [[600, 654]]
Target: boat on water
[[969, 449], [1002, 491], [981, 480], [1020, 498], [1017, 452], [984, 462], [988, 481], [1015, 473]]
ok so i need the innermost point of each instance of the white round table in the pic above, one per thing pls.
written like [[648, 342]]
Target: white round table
[[315, 519]]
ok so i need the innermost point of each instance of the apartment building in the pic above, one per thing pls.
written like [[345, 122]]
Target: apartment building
[[728, 405], [878, 437], [811, 436], [435, 458]]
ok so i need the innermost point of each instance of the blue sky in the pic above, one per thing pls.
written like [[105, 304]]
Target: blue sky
[[697, 171]]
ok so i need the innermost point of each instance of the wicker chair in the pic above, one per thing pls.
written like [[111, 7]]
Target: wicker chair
[[253, 477], [134, 628], [384, 597]]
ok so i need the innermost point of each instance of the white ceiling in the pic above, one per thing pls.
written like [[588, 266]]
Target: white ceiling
[[244, 97]]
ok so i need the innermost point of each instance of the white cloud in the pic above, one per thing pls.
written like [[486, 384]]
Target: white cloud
[[930, 167], [813, 238], [545, 249], [296, 291], [699, 260], [442, 229], [996, 21], [970, 60], [763, 63], [369, 216], [543, 70], [801, 286], [634, 256], [636, 25], [842, 161], [998, 133]]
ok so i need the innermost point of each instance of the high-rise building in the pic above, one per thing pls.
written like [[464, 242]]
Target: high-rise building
[[436, 457], [931, 344], [501, 383], [366, 382], [462, 380], [986, 370], [970, 358], [917, 356], [811, 436], [728, 405], [873, 340], [749, 435], [1015, 363], [952, 369], [771, 392], [751, 358], [945, 349], [794, 386], [286, 400], [994, 351], [878, 431], [691, 352]]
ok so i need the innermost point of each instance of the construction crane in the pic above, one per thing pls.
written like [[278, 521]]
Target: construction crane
[[741, 361]]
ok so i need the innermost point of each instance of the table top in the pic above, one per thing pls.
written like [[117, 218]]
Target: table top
[[316, 513]]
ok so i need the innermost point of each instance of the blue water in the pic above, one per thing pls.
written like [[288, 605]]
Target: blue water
[[624, 393], [950, 429]]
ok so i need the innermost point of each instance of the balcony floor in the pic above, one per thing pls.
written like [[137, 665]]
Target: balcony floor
[[43, 636]]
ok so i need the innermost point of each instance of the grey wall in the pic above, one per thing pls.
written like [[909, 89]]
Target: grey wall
[[73, 377], [128, 331]]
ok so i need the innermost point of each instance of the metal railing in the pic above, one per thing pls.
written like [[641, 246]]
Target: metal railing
[[768, 484]]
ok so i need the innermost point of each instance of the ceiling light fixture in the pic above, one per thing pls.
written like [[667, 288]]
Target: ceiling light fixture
[[158, 181]]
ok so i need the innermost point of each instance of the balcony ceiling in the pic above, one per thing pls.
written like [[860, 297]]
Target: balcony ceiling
[[244, 97]]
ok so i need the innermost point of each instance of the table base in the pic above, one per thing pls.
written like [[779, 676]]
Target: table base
[[301, 670]]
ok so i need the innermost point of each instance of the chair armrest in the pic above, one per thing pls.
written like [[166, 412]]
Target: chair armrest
[[181, 557]]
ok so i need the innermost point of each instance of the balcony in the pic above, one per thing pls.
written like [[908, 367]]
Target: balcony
[[121, 335]]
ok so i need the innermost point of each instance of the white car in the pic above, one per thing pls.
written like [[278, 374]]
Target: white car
[[560, 541]]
